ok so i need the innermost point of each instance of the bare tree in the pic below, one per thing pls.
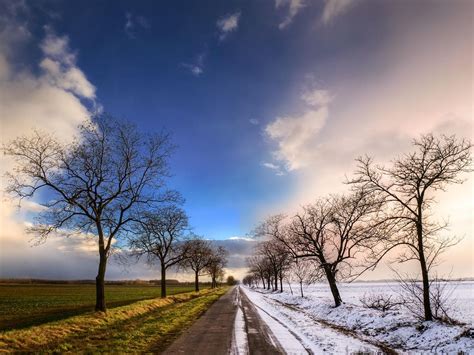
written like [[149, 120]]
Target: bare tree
[[408, 188], [304, 271], [332, 231], [160, 237], [97, 184], [217, 263], [197, 258], [278, 259], [261, 268]]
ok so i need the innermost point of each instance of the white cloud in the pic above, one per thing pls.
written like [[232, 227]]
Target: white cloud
[[317, 97], [254, 121], [334, 8], [424, 85], [296, 136], [50, 101], [133, 23], [196, 68], [228, 24], [294, 7]]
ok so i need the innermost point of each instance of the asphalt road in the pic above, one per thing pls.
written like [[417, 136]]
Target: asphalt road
[[213, 332]]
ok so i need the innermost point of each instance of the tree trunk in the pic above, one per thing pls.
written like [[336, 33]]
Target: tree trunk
[[163, 281], [263, 282], [100, 283], [301, 288], [268, 283], [424, 274], [276, 282], [281, 283], [214, 283], [332, 284], [196, 281]]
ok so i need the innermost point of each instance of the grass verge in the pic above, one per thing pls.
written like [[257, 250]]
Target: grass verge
[[138, 327]]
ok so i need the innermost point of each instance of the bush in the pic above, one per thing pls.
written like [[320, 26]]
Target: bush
[[380, 302], [231, 280]]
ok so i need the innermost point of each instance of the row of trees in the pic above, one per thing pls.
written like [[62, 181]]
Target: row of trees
[[110, 182], [161, 237], [387, 208]]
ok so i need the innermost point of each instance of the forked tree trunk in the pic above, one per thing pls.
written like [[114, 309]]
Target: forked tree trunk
[[196, 281], [163, 281], [100, 284], [332, 285]]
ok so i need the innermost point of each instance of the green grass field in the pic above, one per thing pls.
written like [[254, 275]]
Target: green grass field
[[147, 326], [23, 305]]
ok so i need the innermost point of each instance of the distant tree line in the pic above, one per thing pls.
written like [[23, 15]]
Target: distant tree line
[[339, 237]]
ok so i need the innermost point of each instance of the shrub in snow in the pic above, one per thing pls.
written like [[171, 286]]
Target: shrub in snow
[[380, 302]]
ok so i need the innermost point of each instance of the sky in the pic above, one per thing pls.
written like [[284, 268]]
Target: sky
[[269, 103]]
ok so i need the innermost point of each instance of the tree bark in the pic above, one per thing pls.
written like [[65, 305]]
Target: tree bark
[[263, 282], [100, 283], [424, 274], [281, 282], [196, 281], [276, 281], [301, 288], [163, 281], [268, 283], [333, 286]]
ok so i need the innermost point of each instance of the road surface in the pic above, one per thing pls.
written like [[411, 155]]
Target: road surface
[[239, 323]]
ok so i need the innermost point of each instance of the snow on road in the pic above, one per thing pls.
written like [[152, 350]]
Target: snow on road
[[300, 334], [239, 341]]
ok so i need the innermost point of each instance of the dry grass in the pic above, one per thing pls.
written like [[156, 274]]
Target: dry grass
[[138, 327]]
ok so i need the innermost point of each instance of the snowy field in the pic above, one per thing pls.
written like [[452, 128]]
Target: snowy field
[[353, 328]]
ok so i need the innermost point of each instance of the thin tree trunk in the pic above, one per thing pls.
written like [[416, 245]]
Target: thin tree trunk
[[333, 286], [100, 283], [163, 281], [276, 281], [268, 283], [281, 282], [301, 288], [263, 282], [196, 281], [424, 273]]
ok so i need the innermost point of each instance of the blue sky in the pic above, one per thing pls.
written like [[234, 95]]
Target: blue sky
[[268, 101]]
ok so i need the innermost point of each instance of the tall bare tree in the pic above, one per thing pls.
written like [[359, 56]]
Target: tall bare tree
[[160, 238], [408, 188], [97, 184], [197, 258], [332, 231], [217, 263]]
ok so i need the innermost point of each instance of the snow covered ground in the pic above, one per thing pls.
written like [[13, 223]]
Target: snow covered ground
[[353, 328]]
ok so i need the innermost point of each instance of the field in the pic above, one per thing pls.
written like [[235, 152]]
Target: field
[[143, 326], [23, 305], [315, 319]]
